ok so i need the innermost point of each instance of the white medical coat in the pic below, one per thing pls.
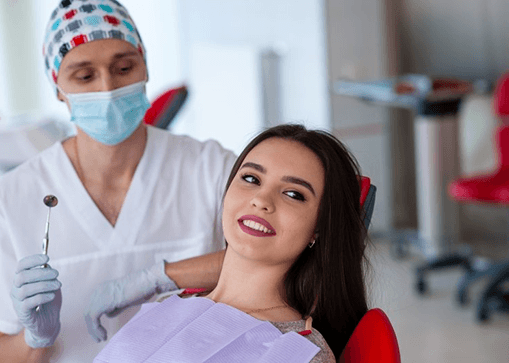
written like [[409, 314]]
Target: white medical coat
[[172, 211]]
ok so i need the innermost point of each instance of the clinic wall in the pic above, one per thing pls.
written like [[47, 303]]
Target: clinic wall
[[361, 46], [18, 52], [294, 29], [469, 40]]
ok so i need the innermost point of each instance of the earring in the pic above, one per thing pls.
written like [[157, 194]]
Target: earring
[[312, 243]]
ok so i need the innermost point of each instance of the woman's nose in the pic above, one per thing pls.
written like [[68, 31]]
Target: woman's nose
[[263, 201]]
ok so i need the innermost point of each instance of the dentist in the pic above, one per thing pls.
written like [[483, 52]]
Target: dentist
[[135, 202]]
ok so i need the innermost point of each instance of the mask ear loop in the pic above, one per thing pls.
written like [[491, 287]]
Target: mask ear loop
[[62, 92]]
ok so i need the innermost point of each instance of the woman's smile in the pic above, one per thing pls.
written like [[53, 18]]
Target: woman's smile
[[256, 226]]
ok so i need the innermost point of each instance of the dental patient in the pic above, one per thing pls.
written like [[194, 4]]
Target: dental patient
[[291, 288]]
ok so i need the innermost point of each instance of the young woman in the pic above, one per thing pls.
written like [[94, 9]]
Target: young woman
[[295, 248]]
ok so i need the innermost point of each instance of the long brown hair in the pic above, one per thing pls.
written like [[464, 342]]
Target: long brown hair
[[327, 280]]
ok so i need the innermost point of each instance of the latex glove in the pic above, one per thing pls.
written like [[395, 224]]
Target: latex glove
[[112, 297], [34, 287]]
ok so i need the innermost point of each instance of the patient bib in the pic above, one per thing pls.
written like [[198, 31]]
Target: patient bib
[[198, 330]]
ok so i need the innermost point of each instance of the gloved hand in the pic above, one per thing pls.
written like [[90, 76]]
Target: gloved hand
[[111, 297], [37, 300]]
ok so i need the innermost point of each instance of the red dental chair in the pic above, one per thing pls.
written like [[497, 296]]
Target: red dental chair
[[491, 189], [373, 339]]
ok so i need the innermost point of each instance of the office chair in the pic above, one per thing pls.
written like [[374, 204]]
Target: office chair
[[492, 189], [373, 339], [164, 108]]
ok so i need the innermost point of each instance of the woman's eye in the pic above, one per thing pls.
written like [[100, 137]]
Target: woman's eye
[[250, 179], [295, 195]]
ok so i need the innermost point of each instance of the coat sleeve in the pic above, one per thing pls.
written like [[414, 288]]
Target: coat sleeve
[[9, 323]]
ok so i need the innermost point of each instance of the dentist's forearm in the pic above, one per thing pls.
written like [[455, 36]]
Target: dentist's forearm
[[197, 272], [13, 349]]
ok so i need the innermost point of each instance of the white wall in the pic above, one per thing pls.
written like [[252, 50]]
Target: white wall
[[293, 28], [20, 76]]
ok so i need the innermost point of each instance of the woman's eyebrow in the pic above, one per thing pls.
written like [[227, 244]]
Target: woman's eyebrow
[[288, 179], [295, 180], [255, 166]]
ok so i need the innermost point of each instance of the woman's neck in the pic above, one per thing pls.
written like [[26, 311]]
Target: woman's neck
[[249, 285]]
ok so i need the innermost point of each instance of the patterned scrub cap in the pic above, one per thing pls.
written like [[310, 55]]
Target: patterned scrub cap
[[76, 22]]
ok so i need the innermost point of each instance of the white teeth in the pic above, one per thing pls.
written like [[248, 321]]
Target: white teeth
[[256, 226]]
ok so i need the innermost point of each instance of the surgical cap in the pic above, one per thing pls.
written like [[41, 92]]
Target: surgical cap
[[75, 22]]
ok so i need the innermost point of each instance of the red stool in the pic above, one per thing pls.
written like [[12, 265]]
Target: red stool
[[493, 189]]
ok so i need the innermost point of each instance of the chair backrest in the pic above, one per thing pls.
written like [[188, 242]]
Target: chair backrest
[[501, 105], [164, 108], [368, 194], [373, 340], [501, 98]]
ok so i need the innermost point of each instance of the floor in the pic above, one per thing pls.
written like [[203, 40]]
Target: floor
[[433, 327]]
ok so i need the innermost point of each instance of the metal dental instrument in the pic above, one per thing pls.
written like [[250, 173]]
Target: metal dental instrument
[[50, 201]]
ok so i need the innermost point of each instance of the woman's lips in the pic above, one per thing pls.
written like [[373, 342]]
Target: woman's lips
[[256, 226]]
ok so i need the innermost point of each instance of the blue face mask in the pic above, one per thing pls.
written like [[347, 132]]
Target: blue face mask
[[109, 117]]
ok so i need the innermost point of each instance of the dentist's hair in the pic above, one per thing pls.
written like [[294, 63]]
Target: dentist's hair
[[326, 281]]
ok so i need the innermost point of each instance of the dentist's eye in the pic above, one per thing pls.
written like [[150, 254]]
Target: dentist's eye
[[250, 179], [295, 195], [83, 75]]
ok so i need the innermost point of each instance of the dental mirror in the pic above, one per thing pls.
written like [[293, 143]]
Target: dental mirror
[[50, 201]]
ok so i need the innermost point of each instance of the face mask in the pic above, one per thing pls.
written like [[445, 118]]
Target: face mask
[[109, 117]]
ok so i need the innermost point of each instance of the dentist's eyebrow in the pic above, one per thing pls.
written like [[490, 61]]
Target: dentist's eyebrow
[[288, 179], [114, 57], [77, 65]]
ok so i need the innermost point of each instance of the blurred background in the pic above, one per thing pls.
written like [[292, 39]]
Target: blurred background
[[252, 64]]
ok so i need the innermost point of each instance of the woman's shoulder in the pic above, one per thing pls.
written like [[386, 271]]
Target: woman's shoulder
[[325, 354]]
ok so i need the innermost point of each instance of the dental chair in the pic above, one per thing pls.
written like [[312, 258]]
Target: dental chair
[[373, 339], [165, 107], [491, 189]]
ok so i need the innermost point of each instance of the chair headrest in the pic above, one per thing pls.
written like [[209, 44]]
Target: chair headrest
[[501, 96]]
